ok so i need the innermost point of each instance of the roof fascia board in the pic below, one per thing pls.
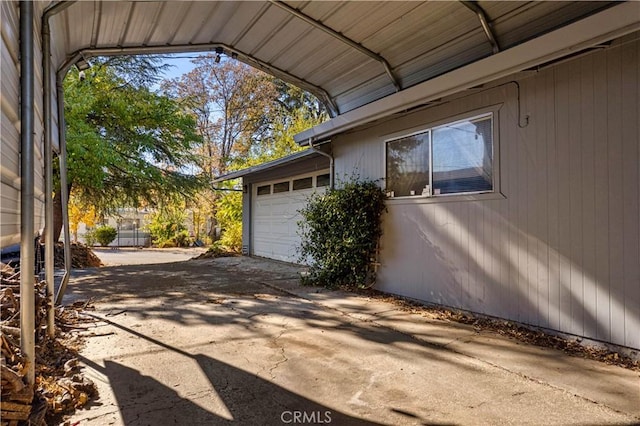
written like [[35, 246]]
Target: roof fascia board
[[266, 166], [609, 24]]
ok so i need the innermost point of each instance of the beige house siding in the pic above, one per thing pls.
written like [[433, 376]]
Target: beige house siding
[[559, 246]]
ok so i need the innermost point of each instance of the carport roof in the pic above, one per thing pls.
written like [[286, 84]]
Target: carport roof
[[348, 53]]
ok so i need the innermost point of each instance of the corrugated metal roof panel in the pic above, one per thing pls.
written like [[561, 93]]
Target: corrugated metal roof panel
[[242, 20], [531, 19], [264, 28], [319, 10], [441, 60], [418, 40], [113, 23], [327, 57], [79, 21], [283, 42], [345, 68]]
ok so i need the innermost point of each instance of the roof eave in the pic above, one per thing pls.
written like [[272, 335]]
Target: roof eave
[[267, 166]]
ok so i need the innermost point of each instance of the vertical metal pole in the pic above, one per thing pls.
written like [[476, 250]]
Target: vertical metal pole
[[53, 9], [64, 188], [48, 172], [27, 249]]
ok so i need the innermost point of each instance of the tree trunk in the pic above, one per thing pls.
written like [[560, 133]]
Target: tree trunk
[[57, 214]]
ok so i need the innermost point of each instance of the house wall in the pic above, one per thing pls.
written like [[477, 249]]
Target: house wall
[[558, 246], [10, 123]]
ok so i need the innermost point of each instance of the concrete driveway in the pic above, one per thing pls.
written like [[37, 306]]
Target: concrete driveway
[[236, 340], [117, 256]]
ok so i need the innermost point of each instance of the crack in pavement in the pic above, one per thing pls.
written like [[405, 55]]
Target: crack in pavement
[[285, 359]]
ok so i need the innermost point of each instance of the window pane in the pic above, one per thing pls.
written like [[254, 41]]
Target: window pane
[[281, 187], [264, 190], [408, 165], [304, 183], [323, 180], [463, 157]]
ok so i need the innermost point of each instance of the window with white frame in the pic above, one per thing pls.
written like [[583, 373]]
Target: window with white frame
[[453, 158]]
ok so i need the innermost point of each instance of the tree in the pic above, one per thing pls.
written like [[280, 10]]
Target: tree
[[285, 124], [245, 117], [231, 103], [166, 224], [229, 216], [80, 213], [126, 144]]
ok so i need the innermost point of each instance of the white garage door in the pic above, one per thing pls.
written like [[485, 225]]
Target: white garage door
[[275, 214]]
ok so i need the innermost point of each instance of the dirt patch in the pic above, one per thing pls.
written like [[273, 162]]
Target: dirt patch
[[214, 253], [81, 256], [509, 329]]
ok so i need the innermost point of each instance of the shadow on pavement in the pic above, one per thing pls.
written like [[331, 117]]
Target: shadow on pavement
[[236, 303], [239, 397], [244, 399]]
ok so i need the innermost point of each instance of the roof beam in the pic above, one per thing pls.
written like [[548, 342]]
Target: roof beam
[[319, 92], [337, 35], [593, 30], [484, 22]]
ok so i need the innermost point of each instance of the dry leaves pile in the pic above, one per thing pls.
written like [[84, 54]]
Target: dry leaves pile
[[511, 330], [216, 252], [81, 256], [59, 387]]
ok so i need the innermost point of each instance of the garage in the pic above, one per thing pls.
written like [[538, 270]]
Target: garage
[[273, 194], [276, 206]]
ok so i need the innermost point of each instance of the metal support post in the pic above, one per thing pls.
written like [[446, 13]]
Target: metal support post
[[27, 196], [48, 172]]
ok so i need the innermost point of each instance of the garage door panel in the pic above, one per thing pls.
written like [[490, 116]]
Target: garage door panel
[[275, 220], [275, 250]]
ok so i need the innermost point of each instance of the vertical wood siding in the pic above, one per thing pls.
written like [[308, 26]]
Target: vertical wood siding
[[561, 248]]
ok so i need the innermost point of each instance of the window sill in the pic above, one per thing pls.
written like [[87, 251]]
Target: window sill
[[446, 198]]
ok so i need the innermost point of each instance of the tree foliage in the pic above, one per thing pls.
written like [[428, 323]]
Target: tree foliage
[[340, 230], [166, 225], [229, 216], [126, 144], [231, 103], [80, 213]]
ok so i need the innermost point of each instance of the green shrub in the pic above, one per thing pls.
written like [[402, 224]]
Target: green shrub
[[231, 237], [105, 235], [166, 226], [229, 217], [182, 239], [90, 237], [339, 231]]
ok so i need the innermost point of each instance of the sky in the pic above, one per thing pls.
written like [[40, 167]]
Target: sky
[[181, 64]]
